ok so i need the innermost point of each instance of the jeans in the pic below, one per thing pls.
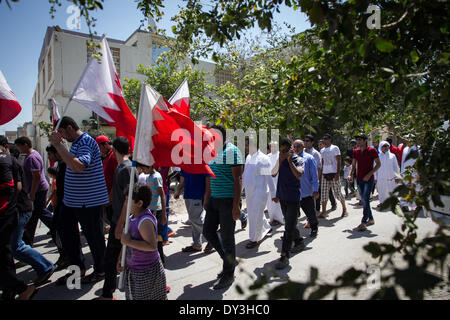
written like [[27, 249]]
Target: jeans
[[39, 212], [219, 212], [92, 227], [111, 256], [25, 253], [365, 189], [307, 205], [349, 185], [8, 279], [291, 233]]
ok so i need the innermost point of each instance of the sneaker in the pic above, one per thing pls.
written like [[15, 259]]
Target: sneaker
[[282, 263], [39, 281], [243, 224], [362, 227], [224, 282], [370, 223], [333, 208], [323, 216], [314, 232]]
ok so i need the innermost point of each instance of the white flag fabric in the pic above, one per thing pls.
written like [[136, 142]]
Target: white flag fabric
[[9, 106], [181, 99], [55, 113], [99, 89]]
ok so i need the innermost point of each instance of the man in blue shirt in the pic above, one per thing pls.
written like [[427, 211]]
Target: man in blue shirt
[[84, 195], [290, 168], [309, 186], [195, 188]]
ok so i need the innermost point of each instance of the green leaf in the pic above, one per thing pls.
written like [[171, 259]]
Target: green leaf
[[362, 50], [384, 45], [414, 56]]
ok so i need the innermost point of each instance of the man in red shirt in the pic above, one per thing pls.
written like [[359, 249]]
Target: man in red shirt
[[397, 151], [363, 158], [109, 167]]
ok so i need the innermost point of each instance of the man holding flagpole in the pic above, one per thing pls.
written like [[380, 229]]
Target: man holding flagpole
[[84, 195]]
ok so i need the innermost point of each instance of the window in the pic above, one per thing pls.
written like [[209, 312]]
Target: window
[[49, 61], [38, 92], [222, 77], [116, 57], [115, 52], [43, 79], [156, 51]]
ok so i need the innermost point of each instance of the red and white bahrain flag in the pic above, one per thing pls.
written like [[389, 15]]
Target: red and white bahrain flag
[[99, 89], [181, 99], [9, 106], [55, 113], [167, 138]]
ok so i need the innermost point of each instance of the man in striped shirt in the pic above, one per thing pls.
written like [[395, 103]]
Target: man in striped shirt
[[223, 207], [84, 195]]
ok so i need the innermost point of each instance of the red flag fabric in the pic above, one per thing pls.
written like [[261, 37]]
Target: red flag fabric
[[99, 89], [9, 106], [168, 138]]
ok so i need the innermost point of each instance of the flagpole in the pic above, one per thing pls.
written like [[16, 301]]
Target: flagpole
[[75, 89], [130, 190]]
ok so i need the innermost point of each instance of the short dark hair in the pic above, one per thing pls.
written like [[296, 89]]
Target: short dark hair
[[24, 141], [327, 135], [222, 130], [310, 137], [122, 145], [14, 150], [52, 170], [141, 165], [286, 142], [68, 121], [348, 159], [142, 192], [389, 140], [51, 149], [3, 141]]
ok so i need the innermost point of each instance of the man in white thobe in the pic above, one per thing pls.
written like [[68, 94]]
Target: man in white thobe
[[406, 163], [385, 176], [257, 182], [274, 209]]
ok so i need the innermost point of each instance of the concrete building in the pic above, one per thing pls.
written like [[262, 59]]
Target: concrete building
[[11, 136], [64, 55]]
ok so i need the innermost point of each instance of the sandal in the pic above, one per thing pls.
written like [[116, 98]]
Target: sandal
[[191, 249], [26, 295], [208, 249], [92, 278]]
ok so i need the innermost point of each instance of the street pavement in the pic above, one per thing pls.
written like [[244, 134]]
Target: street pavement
[[191, 276]]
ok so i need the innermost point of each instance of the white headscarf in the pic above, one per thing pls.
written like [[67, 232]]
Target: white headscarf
[[382, 143]]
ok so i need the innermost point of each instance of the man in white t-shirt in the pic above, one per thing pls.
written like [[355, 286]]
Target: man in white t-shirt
[[331, 165]]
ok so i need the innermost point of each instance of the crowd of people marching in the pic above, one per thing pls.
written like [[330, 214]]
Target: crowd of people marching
[[89, 187]]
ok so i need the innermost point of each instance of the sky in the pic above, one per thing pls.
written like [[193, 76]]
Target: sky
[[23, 27]]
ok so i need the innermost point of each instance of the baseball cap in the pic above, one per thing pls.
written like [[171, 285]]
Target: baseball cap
[[102, 139], [362, 136]]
